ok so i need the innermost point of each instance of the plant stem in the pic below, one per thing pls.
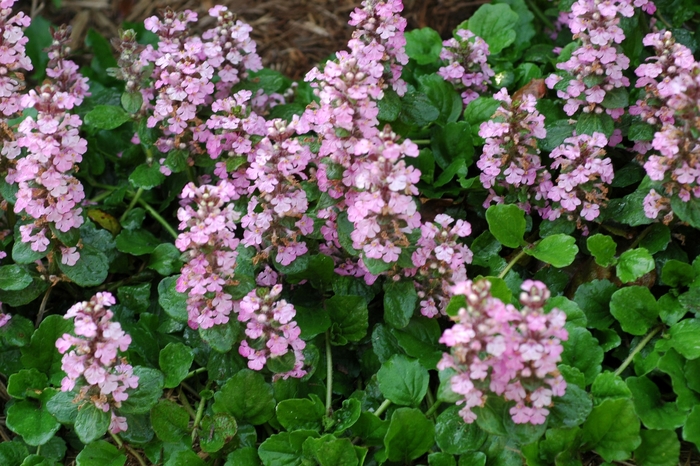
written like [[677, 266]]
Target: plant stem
[[42, 306], [133, 202], [195, 372], [198, 416], [329, 374], [510, 265], [185, 403], [433, 408], [133, 452], [158, 218], [536, 10], [382, 408], [640, 237], [637, 349]]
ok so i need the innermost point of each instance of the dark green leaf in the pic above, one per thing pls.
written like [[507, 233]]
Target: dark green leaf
[[137, 242], [558, 250], [506, 223], [603, 248], [41, 353], [423, 45], [14, 277], [594, 300], [247, 397], [582, 351], [612, 430], [150, 388], [169, 421], [409, 436], [284, 449], [684, 338], [165, 259], [455, 436], [100, 453], [400, 301], [175, 361], [654, 413], [106, 117], [34, 424], [91, 423], [331, 451], [403, 381], [298, 414], [172, 302], [146, 176], [658, 448], [633, 264], [349, 317], [635, 308], [589, 123], [496, 25]]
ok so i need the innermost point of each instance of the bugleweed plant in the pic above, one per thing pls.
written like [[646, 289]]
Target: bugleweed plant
[[475, 250]]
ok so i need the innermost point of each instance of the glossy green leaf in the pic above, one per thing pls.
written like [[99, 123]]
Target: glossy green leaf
[[633, 264], [423, 45], [100, 453], [612, 430], [400, 300], [349, 317], [635, 308], [284, 449], [175, 361], [654, 413], [496, 25], [403, 380], [91, 423], [506, 223], [300, 414], [603, 248], [106, 117], [34, 424], [558, 250], [247, 397], [410, 435], [455, 436]]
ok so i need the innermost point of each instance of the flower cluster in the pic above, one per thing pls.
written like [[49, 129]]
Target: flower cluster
[[584, 172], [207, 236], [270, 328], [379, 28], [276, 217], [13, 57], [381, 204], [467, 68], [512, 353], [91, 356], [440, 262], [4, 318], [671, 105], [596, 67], [510, 162], [49, 193], [131, 65]]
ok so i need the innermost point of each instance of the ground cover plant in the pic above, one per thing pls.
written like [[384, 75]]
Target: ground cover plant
[[474, 250]]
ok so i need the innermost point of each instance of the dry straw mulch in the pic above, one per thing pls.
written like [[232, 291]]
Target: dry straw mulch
[[292, 35]]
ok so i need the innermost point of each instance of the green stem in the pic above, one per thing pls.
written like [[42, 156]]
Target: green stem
[[637, 349], [329, 374], [510, 265], [199, 415], [421, 142], [536, 10], [158, 218], [663, 20], [133, 202], [195, 372], [382, 407], [133, 452], [102, 195], [185, 403], [640, 237], [433, 408]]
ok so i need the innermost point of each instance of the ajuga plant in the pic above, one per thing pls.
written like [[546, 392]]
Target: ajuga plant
[[470, 249]]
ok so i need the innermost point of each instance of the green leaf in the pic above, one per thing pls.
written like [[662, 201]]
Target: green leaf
[[455, 436], [90, 270], [635, 308], [589, 123], [582, 351], [221, 337], [423, 45], [165, 259], [349, 317], [494, 417], [34, 424], [607, 385], [169, 421], [558, 250], [136, 242], [691, 429], [331, 451], [63, 407], [247, 397], [22, 253], [146, 176], [418, 110], [91, 423], [409, 436], [106, 117], [26, 383], [612, 430], [419, 340], [616, 98], [17, 332], [451, 143], [41, 353], [442, 459], [400, 301], [14, 277], [246, 456], [300, 414], [443, 96], [571, 409], [676, 273], [284, 449], [347, 415], [175, 361], [150, 389], [496, 25], [594, 300], [640, 132], [654, 413], [12, 453], [312, 321], [658, 448], [689, 212], [684, 338], [132, 101], [371, 429], [403, 380], [173, 302], [506, 222], [557, 132], [633, 264], [603, 248], [100, 453], [480, 110]]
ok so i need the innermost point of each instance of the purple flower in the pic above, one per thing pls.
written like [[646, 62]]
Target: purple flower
[[466, 68]]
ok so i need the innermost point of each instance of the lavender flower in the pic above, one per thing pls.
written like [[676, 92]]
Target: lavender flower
[[466, 67], [91, 357], [499, 349], [13, 58]]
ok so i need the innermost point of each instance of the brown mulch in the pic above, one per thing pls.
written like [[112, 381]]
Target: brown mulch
[[292, 35]]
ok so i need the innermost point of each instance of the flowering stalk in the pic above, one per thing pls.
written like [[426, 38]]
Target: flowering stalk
[[499, 349], [440, 263], [13, 58], [467, 68], [510, 163], [49, 194], [207, 236], [270, 328], [91, 357], [671, 105]]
